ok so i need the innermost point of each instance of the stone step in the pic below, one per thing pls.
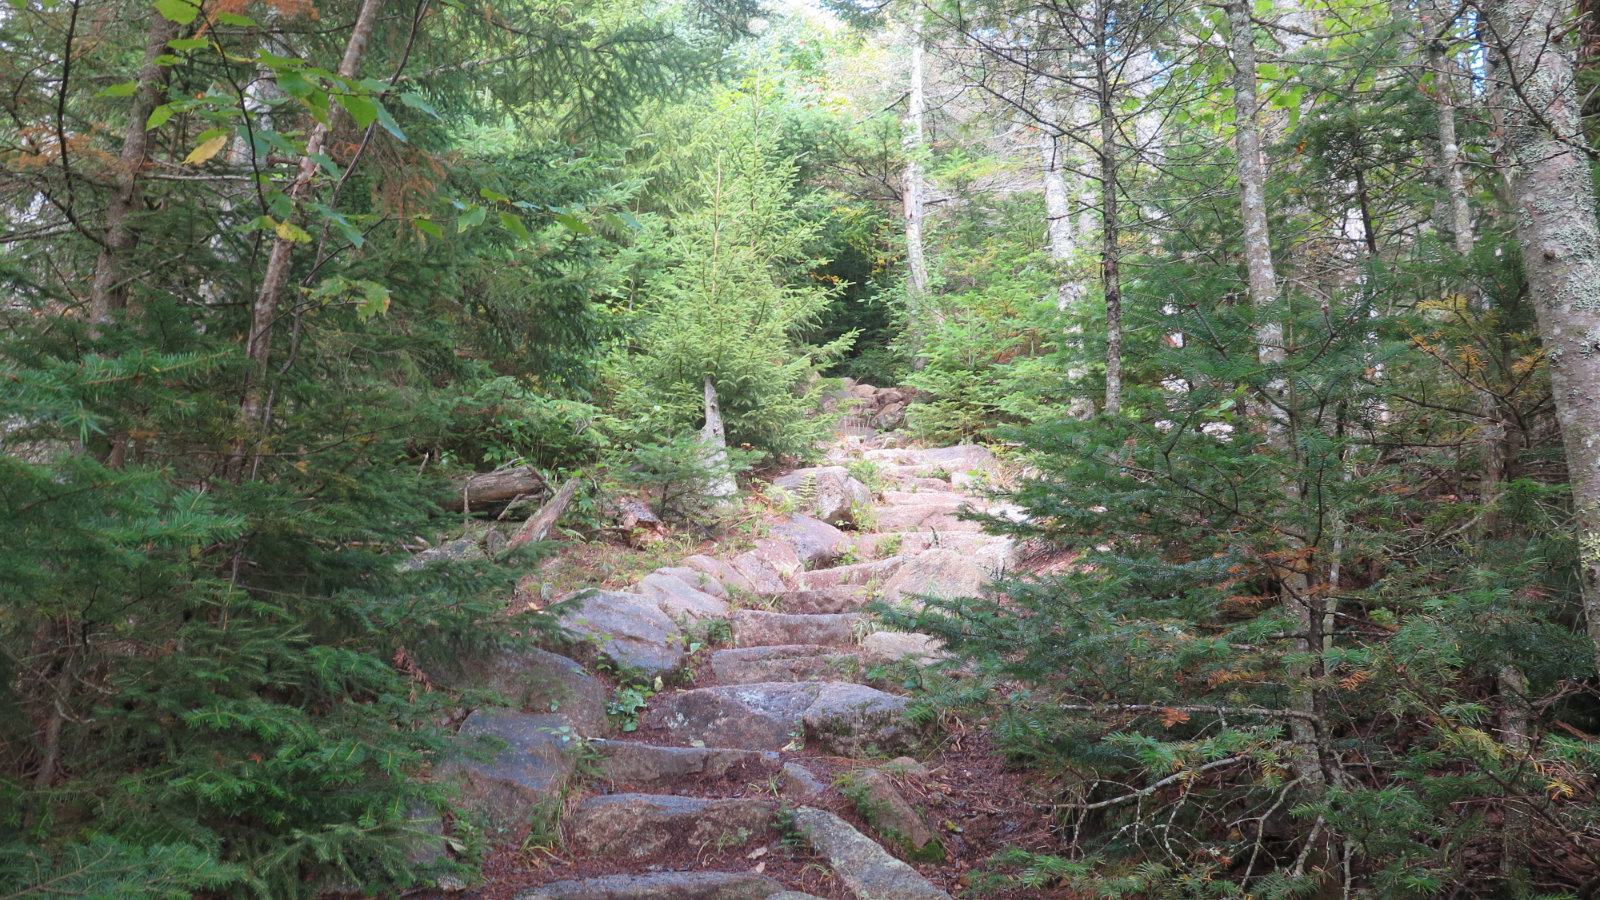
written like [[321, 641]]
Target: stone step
[[859, 573], [864, 866], [841, 718], [873, 544], [627, 630], [816, 543], [785, 662], [759, 628], [923, 517], [679, 600], [639, 825], [836, 599], [662, 886], [948, 501], [630, 763]]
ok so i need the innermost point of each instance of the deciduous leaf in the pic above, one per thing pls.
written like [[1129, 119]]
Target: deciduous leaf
[[289, 231], [180, 11], [206, 150]]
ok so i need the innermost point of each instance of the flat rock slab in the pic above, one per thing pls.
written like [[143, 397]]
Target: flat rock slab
[[696, 579], [841, 717], [837, 599], [945, 574], [661, 886], [627, 630], [815, 542], [679, 600], [780, 556], [924, 517], [763, 576], [884, 647], [640, 825], [944, 500], [628, 763], [792, 662], [866, 868], [712, 567], [533, 679], [858, 574], [759, 628], [529, 771]]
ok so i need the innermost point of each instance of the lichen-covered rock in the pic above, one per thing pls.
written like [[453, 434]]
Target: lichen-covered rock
[[842, 718], [791, 662], [539, 755], [799, 783], [828, 493], [680, 601], [780, 556], [627, 630], [533, 679], [660, 886], [763, 576], [759, 628], [866, 868], [624, 762], [815, 542], [696, 579], [855, 720], [715, 568], [886, 647], [945, 574], [892, 816], [639, 825]]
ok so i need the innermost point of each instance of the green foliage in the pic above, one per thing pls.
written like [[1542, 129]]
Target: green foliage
[[678, 473], [730, 305]]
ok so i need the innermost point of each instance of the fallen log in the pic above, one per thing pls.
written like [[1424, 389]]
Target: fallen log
[[537, 527], [487, 490]]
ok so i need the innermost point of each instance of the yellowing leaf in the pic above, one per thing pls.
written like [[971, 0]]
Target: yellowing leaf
[[289, 231], [206, 150]]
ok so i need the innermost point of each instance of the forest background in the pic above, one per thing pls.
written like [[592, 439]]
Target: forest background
[[1287, 310]]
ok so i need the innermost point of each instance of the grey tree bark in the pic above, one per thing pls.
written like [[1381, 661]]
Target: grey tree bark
[[258, 345], [1110, 225], [1550, 179], [110, 291], [1277, 408]]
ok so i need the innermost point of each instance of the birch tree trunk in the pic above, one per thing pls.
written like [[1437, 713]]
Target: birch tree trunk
[[916, 257], [1271, 352], [1554, 192], [258, 346], [110, 292], [1457, 209]]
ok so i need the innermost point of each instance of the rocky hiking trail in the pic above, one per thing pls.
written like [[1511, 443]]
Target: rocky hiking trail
[[735, 727]]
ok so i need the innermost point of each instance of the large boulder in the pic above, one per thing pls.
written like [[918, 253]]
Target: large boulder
[[532, 679], [828, 493], [538, 756], [815, 542], [945, 574], [885, 647], [626, 630]]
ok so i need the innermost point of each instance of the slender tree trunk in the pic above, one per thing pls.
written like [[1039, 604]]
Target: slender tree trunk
[[916, 257], [1058, 209], [1271, 353], [110, 291], [1110, 227], [275, 280], [1554, 192], [1457, 209]]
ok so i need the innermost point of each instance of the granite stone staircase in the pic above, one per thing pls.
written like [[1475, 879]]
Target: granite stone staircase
[[736, 679]]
